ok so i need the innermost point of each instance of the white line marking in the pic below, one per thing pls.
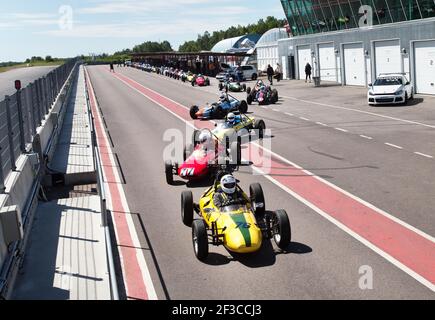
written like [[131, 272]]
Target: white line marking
[[322, 124], [289, 114], [366, 137], [276, 110], [342, 130], [305, 119], [324, 214], [424, 155], [361, 111], [393, 145]]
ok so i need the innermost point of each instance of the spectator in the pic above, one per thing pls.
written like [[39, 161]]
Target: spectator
[[270, 74], [111, 67], [308, 72], [278, 72]]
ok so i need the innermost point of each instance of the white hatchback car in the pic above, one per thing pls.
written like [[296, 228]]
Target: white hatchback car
[[391, 88]]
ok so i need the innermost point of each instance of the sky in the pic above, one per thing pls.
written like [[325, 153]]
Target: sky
[[69, 28]]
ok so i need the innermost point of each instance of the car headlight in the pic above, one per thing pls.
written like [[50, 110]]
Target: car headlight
[[371, 93], [398, 93]]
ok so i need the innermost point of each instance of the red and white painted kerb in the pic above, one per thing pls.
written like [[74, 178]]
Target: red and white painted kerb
[[137, 279], [408, 248]]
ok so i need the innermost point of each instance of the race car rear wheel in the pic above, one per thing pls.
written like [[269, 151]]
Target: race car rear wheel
[[260, 126], [221, 86], [248, 90], [188, 150], [282, 229], [187, 207], [195, 137], [274, 97], [200, 239], [243, 107], [244, 87], [193, 111], [193, 83], [257, 199], [169, 173], [249, 99]]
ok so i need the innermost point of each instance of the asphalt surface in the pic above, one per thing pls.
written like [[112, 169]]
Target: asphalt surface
[[323, 262], [26, 75]]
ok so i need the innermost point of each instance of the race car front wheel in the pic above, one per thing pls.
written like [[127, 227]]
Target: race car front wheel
[[169, 173], [193, 111], [260, 126], [257, 199], [200, 239], [243, 107], [187, 208], [282, 230]]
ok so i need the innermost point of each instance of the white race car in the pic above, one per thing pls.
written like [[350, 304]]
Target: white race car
[[391, 88]]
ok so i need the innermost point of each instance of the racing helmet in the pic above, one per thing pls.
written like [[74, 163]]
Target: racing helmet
[[222, 97], [231, 117], [204, 137], [228, 184]]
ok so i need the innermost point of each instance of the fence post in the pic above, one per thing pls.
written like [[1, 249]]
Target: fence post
[[38, 107], [10, 133], [21, 121]]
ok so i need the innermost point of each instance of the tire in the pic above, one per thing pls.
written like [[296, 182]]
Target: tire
[[243, 107], [282, 232], [200, 239], [187, 208], [207, 82], [406, 99], [257, 196], [249, 99], [274, 97], [248, 90], [195, 138], [193, 111], [168, 173], [221, 86], [236, 150], [244, 87], [188, 150], [193, 83], [260, 126], [254, 76]]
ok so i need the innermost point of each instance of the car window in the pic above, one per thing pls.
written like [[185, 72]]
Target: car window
[[388, 82], [247, 68]]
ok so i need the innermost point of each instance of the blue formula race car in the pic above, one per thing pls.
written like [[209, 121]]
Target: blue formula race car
[[220, 109]]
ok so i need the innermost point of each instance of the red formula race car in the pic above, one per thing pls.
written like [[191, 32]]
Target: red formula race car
[[200, 81], [202, 158]]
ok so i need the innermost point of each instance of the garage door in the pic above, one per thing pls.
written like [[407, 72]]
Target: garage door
[[424, 53], [387, 57], [304, 57], [328, 70], [354, 71]]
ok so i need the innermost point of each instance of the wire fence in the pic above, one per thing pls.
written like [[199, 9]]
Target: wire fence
[[23, 112]]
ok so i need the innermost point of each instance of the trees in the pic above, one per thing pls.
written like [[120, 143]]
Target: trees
[[206, 41], [150, 46]]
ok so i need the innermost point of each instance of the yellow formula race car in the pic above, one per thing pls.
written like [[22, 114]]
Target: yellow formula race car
[[241, 226], [242, 126]]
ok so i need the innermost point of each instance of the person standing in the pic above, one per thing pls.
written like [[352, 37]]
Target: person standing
[[278, 72], [308, 72], [270, 74], [111, 67]]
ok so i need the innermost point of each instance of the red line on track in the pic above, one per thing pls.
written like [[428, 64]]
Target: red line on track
[[404, 245], [133, 275]]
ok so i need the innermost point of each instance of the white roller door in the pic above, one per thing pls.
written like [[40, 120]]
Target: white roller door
[[354, 71], [424, 57], [328, 71], [304, 57], [387, 57]]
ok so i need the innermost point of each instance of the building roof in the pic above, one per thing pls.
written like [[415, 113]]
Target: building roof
[[272, 36], [236, 44]]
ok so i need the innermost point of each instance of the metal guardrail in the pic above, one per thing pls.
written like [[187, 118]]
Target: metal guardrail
[[23, 112], [102, 192]]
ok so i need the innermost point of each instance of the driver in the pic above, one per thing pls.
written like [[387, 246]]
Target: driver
[[232, 119], [227, 193], [205, 140]]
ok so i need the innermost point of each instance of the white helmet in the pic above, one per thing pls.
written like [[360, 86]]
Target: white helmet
[[228, 184], [231, 117], [222, 97], [204, 137]]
